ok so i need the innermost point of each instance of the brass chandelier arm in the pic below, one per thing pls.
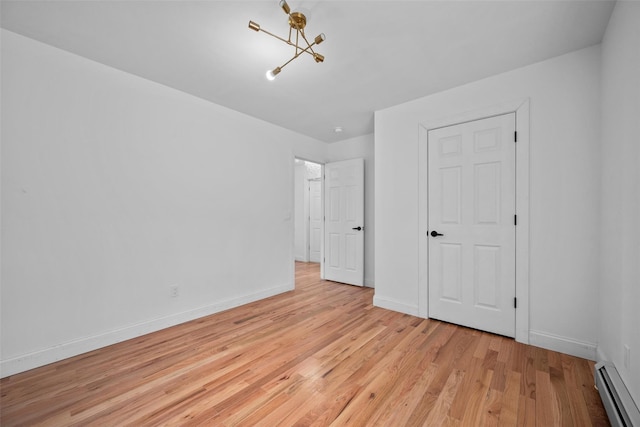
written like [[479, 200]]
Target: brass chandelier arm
[[309, 50], [277, 37], [310, 45], [297, 22], [297, 40], [306, 49]]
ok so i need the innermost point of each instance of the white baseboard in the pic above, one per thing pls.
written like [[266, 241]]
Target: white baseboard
[[601, 356], [39, 358], [586, 350], [395, 305]]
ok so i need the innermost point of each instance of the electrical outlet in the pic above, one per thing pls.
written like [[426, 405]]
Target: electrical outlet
[[627, 357], [174, 291]]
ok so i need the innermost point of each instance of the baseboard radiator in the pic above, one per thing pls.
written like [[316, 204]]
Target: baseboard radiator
[[621, 409]]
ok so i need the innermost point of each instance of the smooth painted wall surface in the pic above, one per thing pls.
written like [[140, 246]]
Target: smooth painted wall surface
[[619, 294], [115, 188], [354, 148], [564, 95]]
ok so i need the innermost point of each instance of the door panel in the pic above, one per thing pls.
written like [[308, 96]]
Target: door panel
[[334, 202], [450, 205], [334, 252], [487, 193], [344, 213], [471, 202], [450, 264], [315, 220], [487, 275]]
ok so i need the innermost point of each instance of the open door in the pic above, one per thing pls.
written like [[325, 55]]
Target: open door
[[344, 222]]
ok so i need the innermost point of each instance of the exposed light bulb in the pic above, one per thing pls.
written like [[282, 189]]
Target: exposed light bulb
[[271, 74], [285, 7]]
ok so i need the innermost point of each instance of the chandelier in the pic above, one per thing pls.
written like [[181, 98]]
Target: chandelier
[[297, 22]]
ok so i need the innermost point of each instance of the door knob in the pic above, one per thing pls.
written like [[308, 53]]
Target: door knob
[[434, 233], [357, 228]]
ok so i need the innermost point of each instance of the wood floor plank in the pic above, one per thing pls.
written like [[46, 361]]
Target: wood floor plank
[[510, 400], [579, 413], [439, 413], [316, 356], [547, 406], [475, 396], [490, 416], [527, 412]]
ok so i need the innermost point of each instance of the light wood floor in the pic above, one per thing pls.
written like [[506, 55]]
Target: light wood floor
[[320, 355]]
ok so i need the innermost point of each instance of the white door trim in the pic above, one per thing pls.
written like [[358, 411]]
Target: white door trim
[[521, 110], [290, 214]]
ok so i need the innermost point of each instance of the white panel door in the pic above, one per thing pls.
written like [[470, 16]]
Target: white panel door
[[471, 205], [315, 220], [344, 222]]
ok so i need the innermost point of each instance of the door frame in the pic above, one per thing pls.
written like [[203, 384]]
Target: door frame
[[293, 231], [521, 109]]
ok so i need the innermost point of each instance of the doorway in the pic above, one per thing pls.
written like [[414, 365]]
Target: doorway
[[471, 199], [307, 247], [521, 111], [329, 222]]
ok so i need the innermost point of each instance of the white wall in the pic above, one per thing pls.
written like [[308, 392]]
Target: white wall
[[362, 147], [115, 188], [564, 95], [619, 294]]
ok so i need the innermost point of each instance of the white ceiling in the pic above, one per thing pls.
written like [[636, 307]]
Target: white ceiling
[[378, 53]]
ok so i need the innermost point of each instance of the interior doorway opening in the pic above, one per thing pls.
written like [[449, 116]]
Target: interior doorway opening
[[307, 211], [521, 109]]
